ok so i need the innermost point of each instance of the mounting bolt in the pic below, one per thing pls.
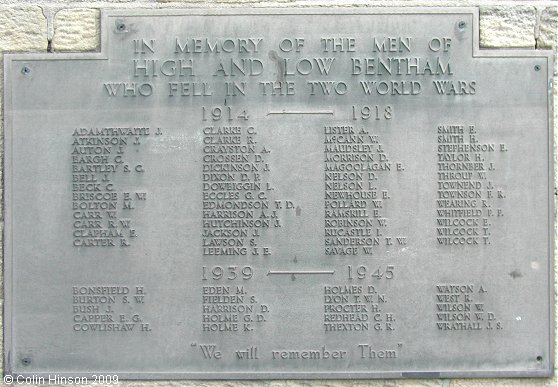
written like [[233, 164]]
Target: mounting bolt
[[25, 70], [120, 26], [537, 68], [26, 361], [461, 25]]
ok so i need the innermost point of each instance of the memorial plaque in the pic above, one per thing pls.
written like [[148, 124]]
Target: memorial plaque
[[279, 194]]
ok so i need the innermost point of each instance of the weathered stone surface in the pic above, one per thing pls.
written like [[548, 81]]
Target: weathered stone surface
[[181, 1], [550, 382], [22, 28], [76, 29], [548, 28], [369, 383], [225, 3], [508, 26]]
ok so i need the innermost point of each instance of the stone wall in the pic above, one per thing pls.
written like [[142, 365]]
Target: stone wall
[[73, 25]]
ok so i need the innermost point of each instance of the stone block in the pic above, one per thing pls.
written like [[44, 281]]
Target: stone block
[[548, 28], [507, 27], [77, 29], [22, 28]]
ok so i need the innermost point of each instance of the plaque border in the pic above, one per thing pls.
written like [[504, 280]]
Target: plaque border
[[106, 17]]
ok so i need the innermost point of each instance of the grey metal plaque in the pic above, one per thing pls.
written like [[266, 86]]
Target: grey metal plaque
[[279, 194]]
